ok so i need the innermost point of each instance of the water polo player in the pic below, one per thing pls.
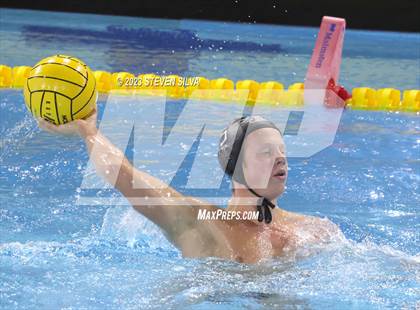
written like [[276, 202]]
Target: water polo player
[[252, 152]]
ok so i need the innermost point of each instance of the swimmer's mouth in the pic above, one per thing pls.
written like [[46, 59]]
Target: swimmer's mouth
[[281, 174]]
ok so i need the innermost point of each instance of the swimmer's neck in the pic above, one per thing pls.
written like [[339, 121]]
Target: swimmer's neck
[[243, 200]]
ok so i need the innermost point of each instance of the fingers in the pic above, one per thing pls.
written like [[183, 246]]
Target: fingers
[[65, 129], [44, 125], [80, 127]]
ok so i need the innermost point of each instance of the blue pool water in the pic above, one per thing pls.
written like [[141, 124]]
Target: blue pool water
[[55, 253]]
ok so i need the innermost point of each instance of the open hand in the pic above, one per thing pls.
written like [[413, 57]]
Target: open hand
[[83, 127]]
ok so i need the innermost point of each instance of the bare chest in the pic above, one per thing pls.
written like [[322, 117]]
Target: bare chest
[[260, 243]]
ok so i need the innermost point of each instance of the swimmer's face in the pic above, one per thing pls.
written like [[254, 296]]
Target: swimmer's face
[[265, 163]]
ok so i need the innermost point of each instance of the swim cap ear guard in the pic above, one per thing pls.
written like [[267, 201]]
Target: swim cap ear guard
[[230, 156]]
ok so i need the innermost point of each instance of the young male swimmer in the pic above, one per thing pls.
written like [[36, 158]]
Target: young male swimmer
[[257, 182]]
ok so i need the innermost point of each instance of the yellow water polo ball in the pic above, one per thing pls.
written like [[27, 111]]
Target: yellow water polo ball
[[60, 89]]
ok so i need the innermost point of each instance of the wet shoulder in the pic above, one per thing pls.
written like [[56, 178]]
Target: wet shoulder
[[315, 228]]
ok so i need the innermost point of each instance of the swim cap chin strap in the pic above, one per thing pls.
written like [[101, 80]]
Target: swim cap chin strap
[[263, 207]]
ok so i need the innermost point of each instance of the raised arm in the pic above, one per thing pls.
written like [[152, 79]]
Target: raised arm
[[163, 205]]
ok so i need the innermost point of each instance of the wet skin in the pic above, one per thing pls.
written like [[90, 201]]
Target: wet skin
[[242, 240]]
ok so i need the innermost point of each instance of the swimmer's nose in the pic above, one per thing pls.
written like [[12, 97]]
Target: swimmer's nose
[[280, 158], [280, 161]]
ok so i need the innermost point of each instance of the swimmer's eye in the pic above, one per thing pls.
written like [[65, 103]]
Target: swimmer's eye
[[266, 152]]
